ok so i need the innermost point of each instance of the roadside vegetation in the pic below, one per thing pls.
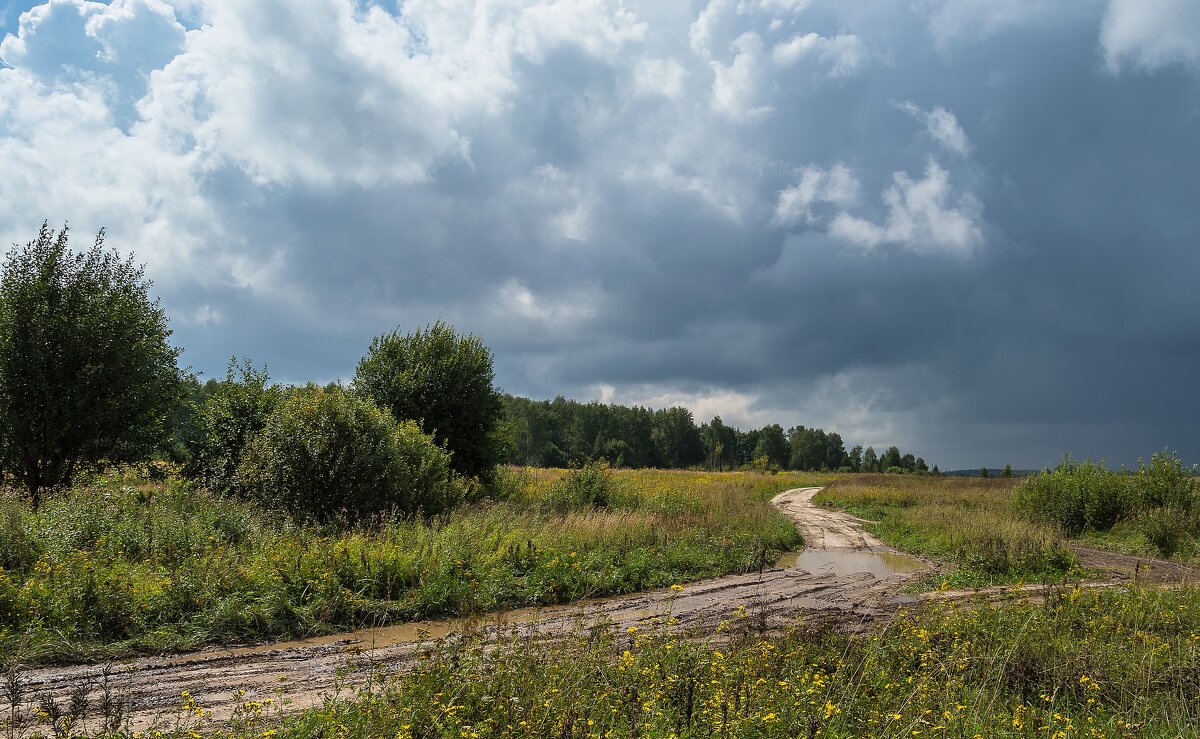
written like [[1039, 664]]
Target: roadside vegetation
[[122, 564], [968, 521], [1152, 510], [1077, 664]]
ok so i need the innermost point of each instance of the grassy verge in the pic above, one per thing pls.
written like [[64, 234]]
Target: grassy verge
[[126, 565], [1081, 664], [968, 521]]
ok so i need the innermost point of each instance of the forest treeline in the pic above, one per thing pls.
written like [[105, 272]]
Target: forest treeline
[[568, 433]]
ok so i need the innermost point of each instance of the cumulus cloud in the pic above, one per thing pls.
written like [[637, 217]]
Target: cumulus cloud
[[941, 125], [844, 54], [814, 185], [1151, 35], [740, 89], [953, 21], [645, 196], [924, 215]]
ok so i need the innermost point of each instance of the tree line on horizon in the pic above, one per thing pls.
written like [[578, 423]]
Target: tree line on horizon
[[569, 433]]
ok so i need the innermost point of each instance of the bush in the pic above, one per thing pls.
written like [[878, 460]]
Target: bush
[[1166, 483], [1077, 496], [231, 414], [444, 382], [590, 486], [324, 452]]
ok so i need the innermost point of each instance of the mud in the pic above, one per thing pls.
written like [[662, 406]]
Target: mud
[[844, 575]]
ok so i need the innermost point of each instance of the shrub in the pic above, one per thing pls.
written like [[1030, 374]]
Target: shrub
[[232, 413], [1076, 496], [1165, 482], [444, 382], [590, 486], [324, 452]]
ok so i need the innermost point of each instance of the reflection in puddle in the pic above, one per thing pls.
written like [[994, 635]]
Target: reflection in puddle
[[842, 562]]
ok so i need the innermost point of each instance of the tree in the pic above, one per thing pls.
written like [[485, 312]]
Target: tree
[[444, 382], [983, 471], [86, 370], [324, 452], [856, 458], [231, 414], [677, 441], [870, 462], [1007, 471], [890, 458], [773, 444]]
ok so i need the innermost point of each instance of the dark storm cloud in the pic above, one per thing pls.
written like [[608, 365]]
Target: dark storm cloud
[[966, 228]]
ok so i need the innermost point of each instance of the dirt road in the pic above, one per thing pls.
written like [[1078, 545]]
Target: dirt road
[[844, 574]]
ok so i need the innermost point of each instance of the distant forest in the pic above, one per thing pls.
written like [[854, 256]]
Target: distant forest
[[567, 433]]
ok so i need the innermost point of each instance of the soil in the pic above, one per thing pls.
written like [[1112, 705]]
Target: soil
[[844, 576]]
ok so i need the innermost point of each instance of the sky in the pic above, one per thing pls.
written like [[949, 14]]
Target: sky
[[967, 227]]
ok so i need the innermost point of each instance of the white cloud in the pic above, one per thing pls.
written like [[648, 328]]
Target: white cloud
[[814, 185], [923, 215], [740, 89], [845, 55], [1151, 34], [953, 21], [941, 125], [665, 77]]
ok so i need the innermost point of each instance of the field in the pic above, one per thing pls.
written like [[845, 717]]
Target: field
[[1061, 660], [125, 565]]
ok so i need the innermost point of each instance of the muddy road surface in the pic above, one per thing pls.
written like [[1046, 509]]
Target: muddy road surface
[[844, 574]]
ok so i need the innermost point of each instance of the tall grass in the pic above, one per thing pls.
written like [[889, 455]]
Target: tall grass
[[1160, 501], [1081, 664], [127, 565], [969, 521]]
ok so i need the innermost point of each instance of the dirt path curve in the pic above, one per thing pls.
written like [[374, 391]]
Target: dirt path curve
[[824, 528], [844, 574]]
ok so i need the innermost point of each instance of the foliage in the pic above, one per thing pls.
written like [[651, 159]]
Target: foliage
[[443, 381], [590, 486], [128, 565], [86, 370], [229, 415], [966, 520], [1161, 499], [327, 453], [1084, 664], [567, 433]]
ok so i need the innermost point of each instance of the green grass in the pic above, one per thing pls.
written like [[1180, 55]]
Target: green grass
[[970, 522], [125, 565], [1081, 664]]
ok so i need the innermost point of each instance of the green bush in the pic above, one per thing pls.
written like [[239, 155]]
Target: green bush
[[1077, 496], [590, 486], [326, 452], [1166, 483], [1160, 498], [228, 419]]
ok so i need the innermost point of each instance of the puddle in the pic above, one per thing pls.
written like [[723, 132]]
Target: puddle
[[841, 562]]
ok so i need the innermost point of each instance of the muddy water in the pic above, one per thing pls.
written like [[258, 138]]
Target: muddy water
[[842, 562]]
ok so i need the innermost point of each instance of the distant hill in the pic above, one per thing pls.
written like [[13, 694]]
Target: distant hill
[[992, 472]]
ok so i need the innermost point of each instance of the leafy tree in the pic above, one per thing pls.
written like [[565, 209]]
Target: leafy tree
[[983, 471], [1007, 471], [870, 461], [231, 414], [772, 444], [720, 441], [86, 370], [677, 442], [444, 382], [855, 458], [325, 452], [891, 458]]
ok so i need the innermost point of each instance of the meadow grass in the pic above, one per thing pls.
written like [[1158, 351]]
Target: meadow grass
[[971, 522], [126, 565], [1076, 664]]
